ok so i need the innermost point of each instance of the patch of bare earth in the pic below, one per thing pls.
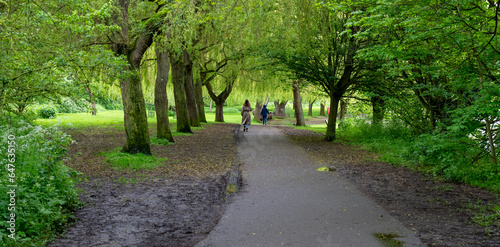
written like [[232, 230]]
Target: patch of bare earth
[[176, 204], [436, 210]]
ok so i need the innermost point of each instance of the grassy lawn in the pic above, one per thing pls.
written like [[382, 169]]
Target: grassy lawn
[[115, 117]]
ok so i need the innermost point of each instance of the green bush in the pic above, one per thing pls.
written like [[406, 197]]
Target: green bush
[[45, 196], [68, 105], [452, 156], [231, 110], [455, 158], [46, 112], [109, 103], [226, 109]]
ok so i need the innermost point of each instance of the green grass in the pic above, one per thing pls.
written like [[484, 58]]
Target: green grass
[[136, 162], [318, 128], [115, 117], [485, 214], [81, 120]]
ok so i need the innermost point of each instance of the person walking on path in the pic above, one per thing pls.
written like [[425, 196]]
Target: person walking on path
[[264, 112], [246, 117]]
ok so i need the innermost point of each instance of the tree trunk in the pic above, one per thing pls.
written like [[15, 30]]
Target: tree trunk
[[135, 118], [161, 100], [192, 107], [178, 77], [92, 100], [332, 117], [322, 109], [219, 111], [310, 111], [489, 132], [378, 109], [198, 90], [219, 99], [343, 109], [134, 106], [256, 111], [297, 103], [280, 110]]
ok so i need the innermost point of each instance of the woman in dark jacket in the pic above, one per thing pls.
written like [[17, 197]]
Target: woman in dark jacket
[[246, 117], [264, 112]]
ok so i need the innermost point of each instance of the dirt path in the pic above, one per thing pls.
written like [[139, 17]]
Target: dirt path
[[287, 202]]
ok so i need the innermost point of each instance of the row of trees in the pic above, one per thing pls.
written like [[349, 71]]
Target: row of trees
[[431, 64], [59, 48]]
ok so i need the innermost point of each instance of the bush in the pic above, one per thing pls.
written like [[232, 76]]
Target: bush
[[109, 104], [46, 112], [455, 158], [68, 105], [452, 156], [231, 110], [45, 196]]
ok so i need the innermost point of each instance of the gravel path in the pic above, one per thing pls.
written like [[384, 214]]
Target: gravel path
[[286, 202]]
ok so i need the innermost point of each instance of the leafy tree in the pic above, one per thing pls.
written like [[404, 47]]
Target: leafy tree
[[320, 48], [43, 44], [442, 57], [138, 21]]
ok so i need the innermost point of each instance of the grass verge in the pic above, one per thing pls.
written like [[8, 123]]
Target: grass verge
[[136, 162]]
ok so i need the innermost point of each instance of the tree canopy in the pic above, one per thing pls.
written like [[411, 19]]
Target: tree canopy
[[431, 64]]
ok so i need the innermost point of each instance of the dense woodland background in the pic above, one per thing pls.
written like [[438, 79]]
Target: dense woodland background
[[420, 76]]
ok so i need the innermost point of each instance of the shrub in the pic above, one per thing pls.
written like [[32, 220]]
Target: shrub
[[231, 110], [68, 105], [45, 196], [46, 112]]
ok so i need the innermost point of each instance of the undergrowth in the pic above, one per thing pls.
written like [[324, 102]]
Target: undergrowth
[[445, 156], [38, 191]]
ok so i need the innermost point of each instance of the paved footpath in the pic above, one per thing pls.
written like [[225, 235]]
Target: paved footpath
[[285, 201]]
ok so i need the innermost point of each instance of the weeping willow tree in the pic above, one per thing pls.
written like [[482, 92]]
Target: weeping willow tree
[[225, 80], [316, 43]]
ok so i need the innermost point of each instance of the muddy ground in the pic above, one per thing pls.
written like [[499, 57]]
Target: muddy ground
[[178, 203]]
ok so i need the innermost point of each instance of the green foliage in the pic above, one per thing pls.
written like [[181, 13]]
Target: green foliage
[[68, 105], [160, 141], [45, 196], [46, 112], [125, 161], [38, 61], [485, 214], [450, 156]]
